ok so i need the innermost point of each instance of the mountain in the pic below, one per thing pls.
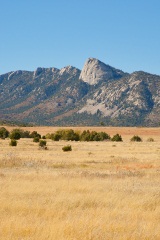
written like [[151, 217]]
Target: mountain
[[68, 96]]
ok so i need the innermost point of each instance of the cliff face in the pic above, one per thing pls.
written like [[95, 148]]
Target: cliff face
[[95, 71], [68, 96]]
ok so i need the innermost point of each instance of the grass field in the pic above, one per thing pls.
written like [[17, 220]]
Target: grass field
[[98, 191]]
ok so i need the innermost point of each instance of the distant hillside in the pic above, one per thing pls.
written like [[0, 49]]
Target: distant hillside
[[99, 94]]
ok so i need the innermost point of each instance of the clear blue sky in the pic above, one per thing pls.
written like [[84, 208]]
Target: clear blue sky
[[55, 33]]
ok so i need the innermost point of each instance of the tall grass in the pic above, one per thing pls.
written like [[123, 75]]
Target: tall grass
[[96, 191]]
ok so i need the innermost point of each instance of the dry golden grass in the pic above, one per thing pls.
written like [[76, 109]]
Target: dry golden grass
[[99, 191]]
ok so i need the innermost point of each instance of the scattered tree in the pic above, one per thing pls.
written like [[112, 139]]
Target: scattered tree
[[94, 136], [42, 143], [35, 134], [15, 134], [4, 133], [117, 138], [56, 137], [36, 139], [67, 148], [136, 138], [13, 143]]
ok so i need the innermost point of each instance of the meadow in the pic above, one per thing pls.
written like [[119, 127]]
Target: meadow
[[98, 191]]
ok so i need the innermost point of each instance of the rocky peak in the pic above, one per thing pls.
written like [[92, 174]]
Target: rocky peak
[[69, 70], [95, 71]]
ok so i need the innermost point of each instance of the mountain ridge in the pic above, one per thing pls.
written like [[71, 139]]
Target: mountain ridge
[[70, 96]]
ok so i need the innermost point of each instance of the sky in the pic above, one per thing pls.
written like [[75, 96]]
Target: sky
[[55, 33]]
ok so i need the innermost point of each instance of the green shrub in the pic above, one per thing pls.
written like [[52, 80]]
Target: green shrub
[[13, 143], [69, 135], [4, 133], [85, 136], [104, 136], [15, 134], [43, 137], [67, 148], [117, 138], [42, 143], [36, 139], [136, 138], [49, 135], [25, 134], [20, 132], [65, 134], [56, 137], [93, 136], [35, 134]]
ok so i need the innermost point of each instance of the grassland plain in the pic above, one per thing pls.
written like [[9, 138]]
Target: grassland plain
[[99, 190]]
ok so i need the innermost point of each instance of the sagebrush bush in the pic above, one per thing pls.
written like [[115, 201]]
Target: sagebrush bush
[[15, 134], [93, 136], [19, 133], [56, 137], [4, 133], [42, 143], [35, 134], [24, 134], [49, 136], [36, 139], [13, 143], [117, 138], [136, 138], [67, 148]]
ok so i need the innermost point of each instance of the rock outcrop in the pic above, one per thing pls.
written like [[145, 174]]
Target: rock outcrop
[[95, 71]]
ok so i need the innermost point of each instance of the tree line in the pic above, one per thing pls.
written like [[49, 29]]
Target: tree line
[[62, 134]]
